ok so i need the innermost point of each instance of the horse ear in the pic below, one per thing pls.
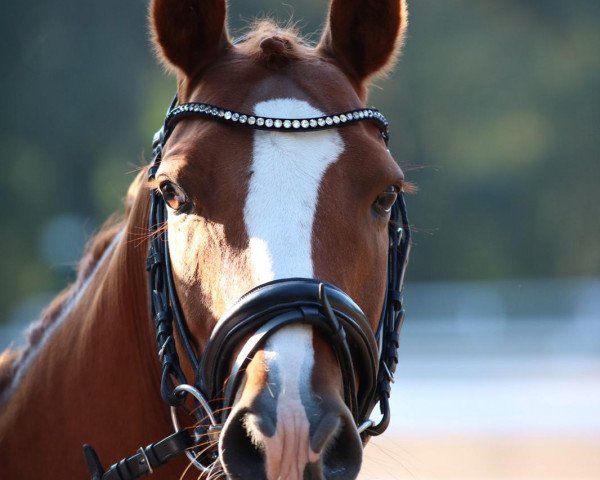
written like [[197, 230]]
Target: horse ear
[[188, 34], [364, 36]]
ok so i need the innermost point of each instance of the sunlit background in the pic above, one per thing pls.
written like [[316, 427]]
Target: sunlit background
[[495, 113]]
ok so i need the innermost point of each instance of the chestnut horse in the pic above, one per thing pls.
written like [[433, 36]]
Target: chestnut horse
[[294, 368]]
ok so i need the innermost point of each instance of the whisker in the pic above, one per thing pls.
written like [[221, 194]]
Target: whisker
[[206, 447], [135, 169], [394, 457], [197, 455], [217, 473], [218, 470], [206, 418], [413, 167], [146, 235]]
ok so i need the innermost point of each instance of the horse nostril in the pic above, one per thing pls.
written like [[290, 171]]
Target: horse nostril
[[341, 450], [241, 457], [325, 432], [253, 446]]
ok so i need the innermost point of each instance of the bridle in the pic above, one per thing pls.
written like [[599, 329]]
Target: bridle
[[258, 315]]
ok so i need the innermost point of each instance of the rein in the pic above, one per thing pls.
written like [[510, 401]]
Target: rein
[[260, 313]]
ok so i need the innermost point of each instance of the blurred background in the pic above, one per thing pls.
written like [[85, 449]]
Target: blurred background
[[495, 114]]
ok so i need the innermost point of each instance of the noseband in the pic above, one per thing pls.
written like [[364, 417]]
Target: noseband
[[369, 356]]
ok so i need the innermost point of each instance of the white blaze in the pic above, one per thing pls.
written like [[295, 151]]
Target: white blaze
[[284, 186], [287, 170]]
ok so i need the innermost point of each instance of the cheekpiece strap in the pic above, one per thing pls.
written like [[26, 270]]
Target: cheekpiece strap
[[393, 313]]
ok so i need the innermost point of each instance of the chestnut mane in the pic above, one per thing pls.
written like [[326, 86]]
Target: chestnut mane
[[10, 359], [267, 41]]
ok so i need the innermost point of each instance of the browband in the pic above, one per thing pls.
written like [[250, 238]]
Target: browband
[[258, 122]]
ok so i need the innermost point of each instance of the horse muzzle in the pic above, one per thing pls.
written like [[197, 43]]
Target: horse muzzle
[[333, 435]]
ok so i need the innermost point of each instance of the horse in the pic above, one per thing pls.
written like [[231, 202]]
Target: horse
[[241, 320]]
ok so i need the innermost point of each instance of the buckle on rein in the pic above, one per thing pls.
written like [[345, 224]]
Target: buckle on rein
[[146, 459]]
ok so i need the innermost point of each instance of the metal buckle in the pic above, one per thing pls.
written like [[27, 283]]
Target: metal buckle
[[364, 425], [389, 375], [145, 460]]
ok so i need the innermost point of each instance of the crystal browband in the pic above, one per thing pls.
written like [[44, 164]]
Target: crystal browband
[[279, 124]]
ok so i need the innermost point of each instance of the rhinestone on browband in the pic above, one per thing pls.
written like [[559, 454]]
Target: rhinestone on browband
[[280, 124]]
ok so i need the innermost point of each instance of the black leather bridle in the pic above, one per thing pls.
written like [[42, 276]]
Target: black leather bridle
[[370, 356]]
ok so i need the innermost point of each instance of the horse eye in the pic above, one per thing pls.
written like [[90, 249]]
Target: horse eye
[[173, 196], [385, 201]]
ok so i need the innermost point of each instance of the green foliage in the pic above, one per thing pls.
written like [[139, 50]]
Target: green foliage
[[495, 110]]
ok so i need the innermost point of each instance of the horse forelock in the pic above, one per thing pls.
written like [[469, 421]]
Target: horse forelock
[[265, 39], [266, 48]]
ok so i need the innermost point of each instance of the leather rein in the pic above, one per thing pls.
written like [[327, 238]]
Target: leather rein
[[258, 315]]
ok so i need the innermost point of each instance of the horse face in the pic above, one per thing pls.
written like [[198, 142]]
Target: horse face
[[247, 207]]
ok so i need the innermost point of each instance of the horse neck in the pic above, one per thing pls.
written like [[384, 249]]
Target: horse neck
[[95, 378]]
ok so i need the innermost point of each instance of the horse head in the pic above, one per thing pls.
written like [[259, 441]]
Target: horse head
[[278, 213], [269, 235]]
